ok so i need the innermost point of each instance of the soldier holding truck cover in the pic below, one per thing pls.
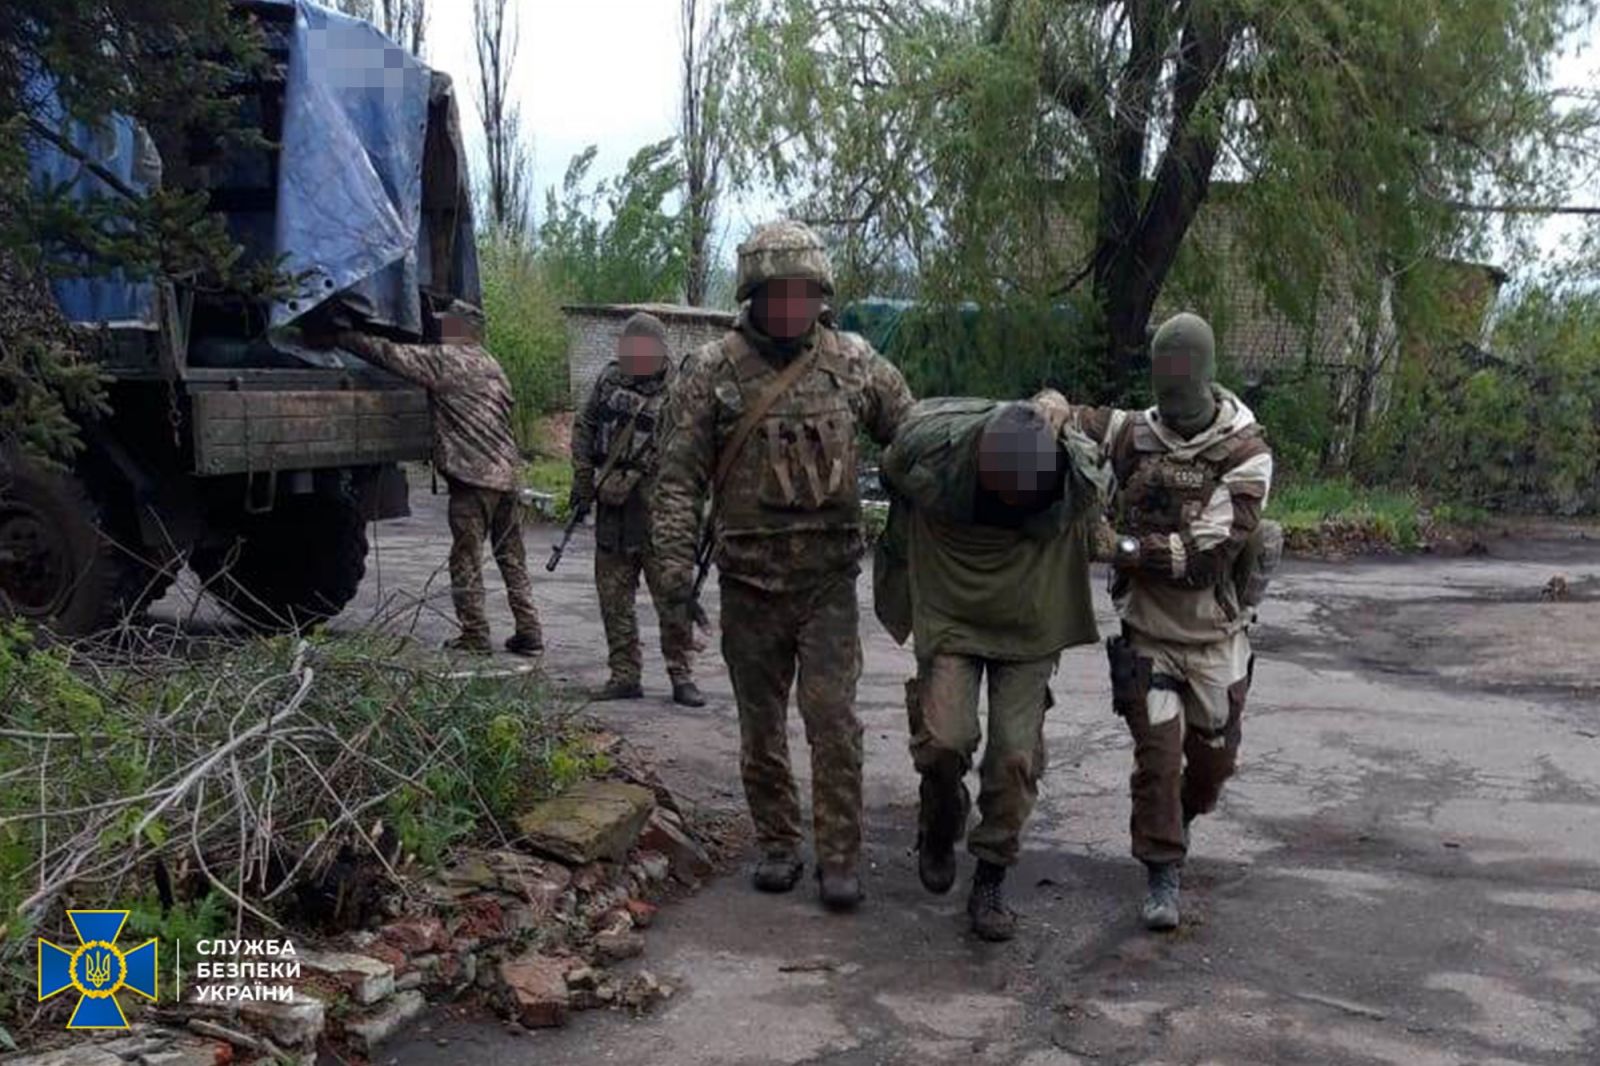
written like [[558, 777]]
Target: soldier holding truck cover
[[474, 449], [1190, 560], [764, 422]]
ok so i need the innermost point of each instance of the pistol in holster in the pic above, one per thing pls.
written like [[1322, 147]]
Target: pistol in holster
[[1130, 676]]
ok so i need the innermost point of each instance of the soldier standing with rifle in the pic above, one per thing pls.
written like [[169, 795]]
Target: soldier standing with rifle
[[764, 423], [618, 430], [1190, 563]]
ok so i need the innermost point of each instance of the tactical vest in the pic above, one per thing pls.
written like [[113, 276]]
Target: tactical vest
[[797, 470], [1161, 493], [618, 406]]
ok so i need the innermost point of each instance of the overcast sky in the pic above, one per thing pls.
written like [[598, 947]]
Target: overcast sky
[[605, 72]]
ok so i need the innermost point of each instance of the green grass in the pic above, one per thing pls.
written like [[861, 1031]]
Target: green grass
[[555, 477], [1302, 507], [1399, 517]]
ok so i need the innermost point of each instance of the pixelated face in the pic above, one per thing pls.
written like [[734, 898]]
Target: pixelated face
[[456, 329], [1019, 464], [786, 308], [1181, 380], [641, 356]]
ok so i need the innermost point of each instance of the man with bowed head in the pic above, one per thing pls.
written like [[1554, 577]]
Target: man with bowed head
[[764, 424]]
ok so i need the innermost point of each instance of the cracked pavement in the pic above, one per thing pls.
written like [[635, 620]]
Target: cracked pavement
[[1406, 870]]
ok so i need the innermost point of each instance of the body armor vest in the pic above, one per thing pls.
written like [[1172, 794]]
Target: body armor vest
[[618, 408], [1162, 493], [797, 470]]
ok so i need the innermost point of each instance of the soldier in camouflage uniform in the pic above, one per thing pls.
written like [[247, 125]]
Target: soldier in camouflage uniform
[[1189, 556], [617, 433], [788, 539], [475, 451], [985, 559]]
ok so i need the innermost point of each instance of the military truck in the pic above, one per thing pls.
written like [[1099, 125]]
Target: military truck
[[231, 444]]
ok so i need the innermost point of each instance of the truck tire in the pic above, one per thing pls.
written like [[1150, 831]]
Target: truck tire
[[65, 563], [292, 568]]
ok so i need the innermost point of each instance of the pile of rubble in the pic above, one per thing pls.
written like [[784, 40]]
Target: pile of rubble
[[532, 931]]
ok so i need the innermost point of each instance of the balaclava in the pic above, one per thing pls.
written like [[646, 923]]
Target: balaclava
[[1183, 367]]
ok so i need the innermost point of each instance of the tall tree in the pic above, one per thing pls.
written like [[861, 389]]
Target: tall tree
[[616, 242], [403, 21], [705, 48], [1059, 149], [507, 157]]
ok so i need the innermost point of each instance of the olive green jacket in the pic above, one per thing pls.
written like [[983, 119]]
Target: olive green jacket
[[964, 588]]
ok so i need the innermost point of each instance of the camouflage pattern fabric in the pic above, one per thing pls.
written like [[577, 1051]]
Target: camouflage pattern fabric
[[769, 640], [479, 515], [783, 249], [471, 400], [616, 578], [945, 732], [789, 516]]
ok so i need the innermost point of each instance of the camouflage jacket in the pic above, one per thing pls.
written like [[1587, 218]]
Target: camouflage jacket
[[789, 515], [1192, 504], [471, 401], [621, 521]]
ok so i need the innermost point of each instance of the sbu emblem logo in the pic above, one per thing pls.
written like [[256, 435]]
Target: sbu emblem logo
[[97, 970]]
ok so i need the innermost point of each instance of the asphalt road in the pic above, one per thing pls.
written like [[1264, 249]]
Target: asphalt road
[[1405, 871]]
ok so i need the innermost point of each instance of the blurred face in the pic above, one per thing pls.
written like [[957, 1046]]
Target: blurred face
[[1182, 384], [1019, 464], [640, 356], [787, 308], [457, 329]]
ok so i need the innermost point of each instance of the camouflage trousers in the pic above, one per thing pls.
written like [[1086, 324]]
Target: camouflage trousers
[[942, 703], [1186, 743], [767, 639], [478, 515], [616, 579]]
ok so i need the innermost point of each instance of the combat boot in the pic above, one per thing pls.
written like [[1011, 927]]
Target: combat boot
[[687, 694], [469, 644], [1160, 911], [526, 645], [778, 871], [617, 689], [840, 887], [942, 820], [991, 919]]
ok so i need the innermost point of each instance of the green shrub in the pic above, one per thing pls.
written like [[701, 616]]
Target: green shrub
[[527, 333]]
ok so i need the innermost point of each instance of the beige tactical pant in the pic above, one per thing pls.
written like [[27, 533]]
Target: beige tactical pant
[[945, 732], [767, 639], [478, 515], [1186, 744], [616, 578]]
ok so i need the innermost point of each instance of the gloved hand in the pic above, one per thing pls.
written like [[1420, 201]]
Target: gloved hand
[[1055, 409], [1126, 552], [582, 497]]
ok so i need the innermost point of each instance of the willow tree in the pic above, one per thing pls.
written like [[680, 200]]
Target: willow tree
[[1061, 149]]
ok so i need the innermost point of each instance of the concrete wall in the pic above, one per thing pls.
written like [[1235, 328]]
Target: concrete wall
[[593, 331]]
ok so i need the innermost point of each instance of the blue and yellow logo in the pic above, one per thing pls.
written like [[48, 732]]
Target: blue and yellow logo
[[98, 970]]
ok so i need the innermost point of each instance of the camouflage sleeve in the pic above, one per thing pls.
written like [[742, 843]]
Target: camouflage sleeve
[[687, 457], [1202, 554], [584, 428], [420, 364], [889, 398]]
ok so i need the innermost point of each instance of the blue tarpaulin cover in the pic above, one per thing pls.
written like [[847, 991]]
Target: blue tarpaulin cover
[[349, 179]]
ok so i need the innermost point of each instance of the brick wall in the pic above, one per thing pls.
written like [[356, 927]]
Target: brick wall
[[593, 331]]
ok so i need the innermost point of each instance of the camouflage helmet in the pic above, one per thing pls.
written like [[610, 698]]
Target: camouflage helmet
[[783, 249]]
